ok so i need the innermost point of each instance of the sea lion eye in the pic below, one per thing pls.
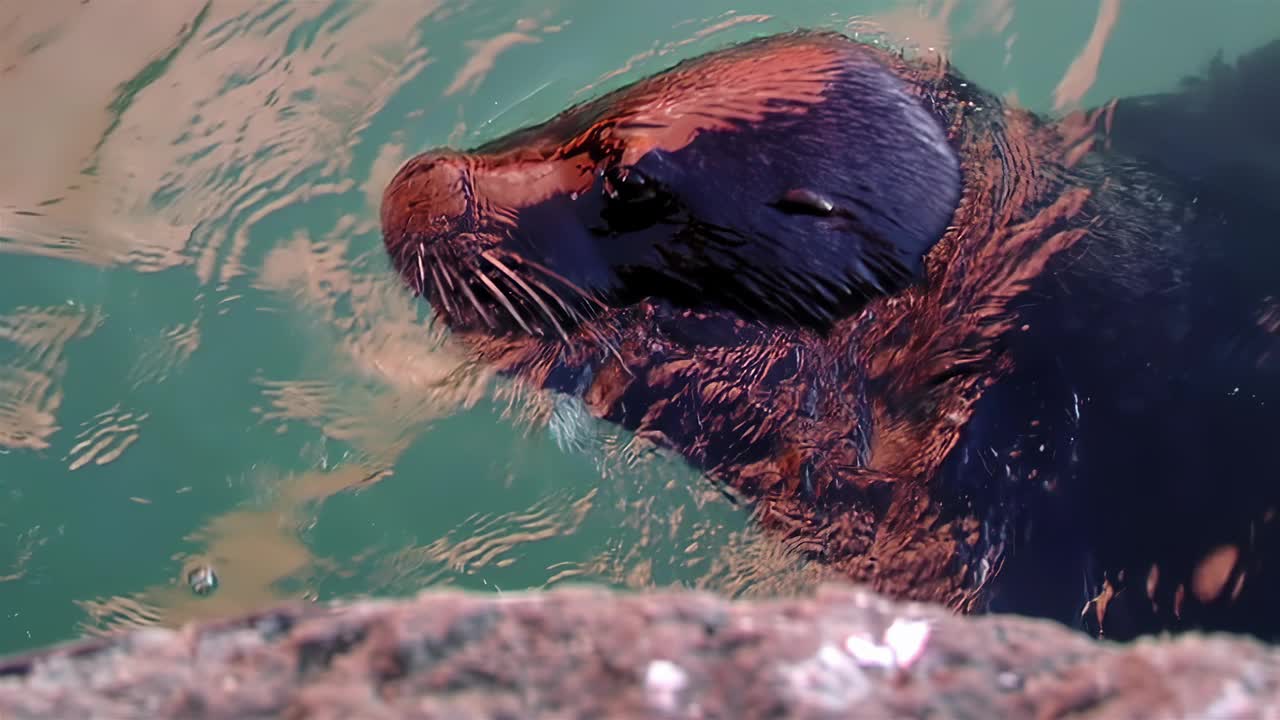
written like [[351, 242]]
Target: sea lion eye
[[627, 185], [633, 200]]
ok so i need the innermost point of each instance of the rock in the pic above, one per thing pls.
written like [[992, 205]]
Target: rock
[[592, 653]]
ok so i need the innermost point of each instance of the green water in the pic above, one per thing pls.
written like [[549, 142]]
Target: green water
[[203, 357]]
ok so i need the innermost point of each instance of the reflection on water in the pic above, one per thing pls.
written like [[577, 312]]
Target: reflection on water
[[30, 390], [203, 355], [260, 547]]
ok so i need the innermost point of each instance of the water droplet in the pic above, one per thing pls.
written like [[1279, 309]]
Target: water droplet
[[203, 580]]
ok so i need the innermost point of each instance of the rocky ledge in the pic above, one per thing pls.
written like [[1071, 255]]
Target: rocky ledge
[[590, 653]]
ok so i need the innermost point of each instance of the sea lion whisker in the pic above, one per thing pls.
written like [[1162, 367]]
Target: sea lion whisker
[[522, 294], [528, 291], [574, 314], [475, 302], [591, 311], [557, 276], [403, 250], [551, 293], [610, 346], [577, 316], [502, 298], [422, 274], [444, 294], [596, 335], [444, 270]]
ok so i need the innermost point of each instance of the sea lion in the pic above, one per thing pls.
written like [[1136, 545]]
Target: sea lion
[[961, 352]]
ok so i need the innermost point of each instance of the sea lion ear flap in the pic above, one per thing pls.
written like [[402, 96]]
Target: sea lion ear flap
[[803, 201]]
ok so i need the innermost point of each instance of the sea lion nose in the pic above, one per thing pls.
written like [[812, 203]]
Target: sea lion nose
[[425, 221], [427, 198]]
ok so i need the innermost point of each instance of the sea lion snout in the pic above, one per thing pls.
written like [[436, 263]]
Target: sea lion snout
[[456, 227], [426, 200]]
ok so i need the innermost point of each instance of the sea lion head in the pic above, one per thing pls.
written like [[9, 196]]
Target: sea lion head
[[791, 178]]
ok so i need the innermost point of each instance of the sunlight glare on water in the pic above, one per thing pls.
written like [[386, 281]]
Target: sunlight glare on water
[[205, 360]]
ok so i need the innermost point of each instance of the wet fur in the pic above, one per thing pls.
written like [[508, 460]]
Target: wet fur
[[1078, 382]]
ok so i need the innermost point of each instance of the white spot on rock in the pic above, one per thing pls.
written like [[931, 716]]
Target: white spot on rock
[[829, 680], [903, 643], [663, 681]]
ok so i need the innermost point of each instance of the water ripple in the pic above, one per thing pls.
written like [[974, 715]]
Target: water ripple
[[30, 385], [163, 354], [106, 437], [246, 111]]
